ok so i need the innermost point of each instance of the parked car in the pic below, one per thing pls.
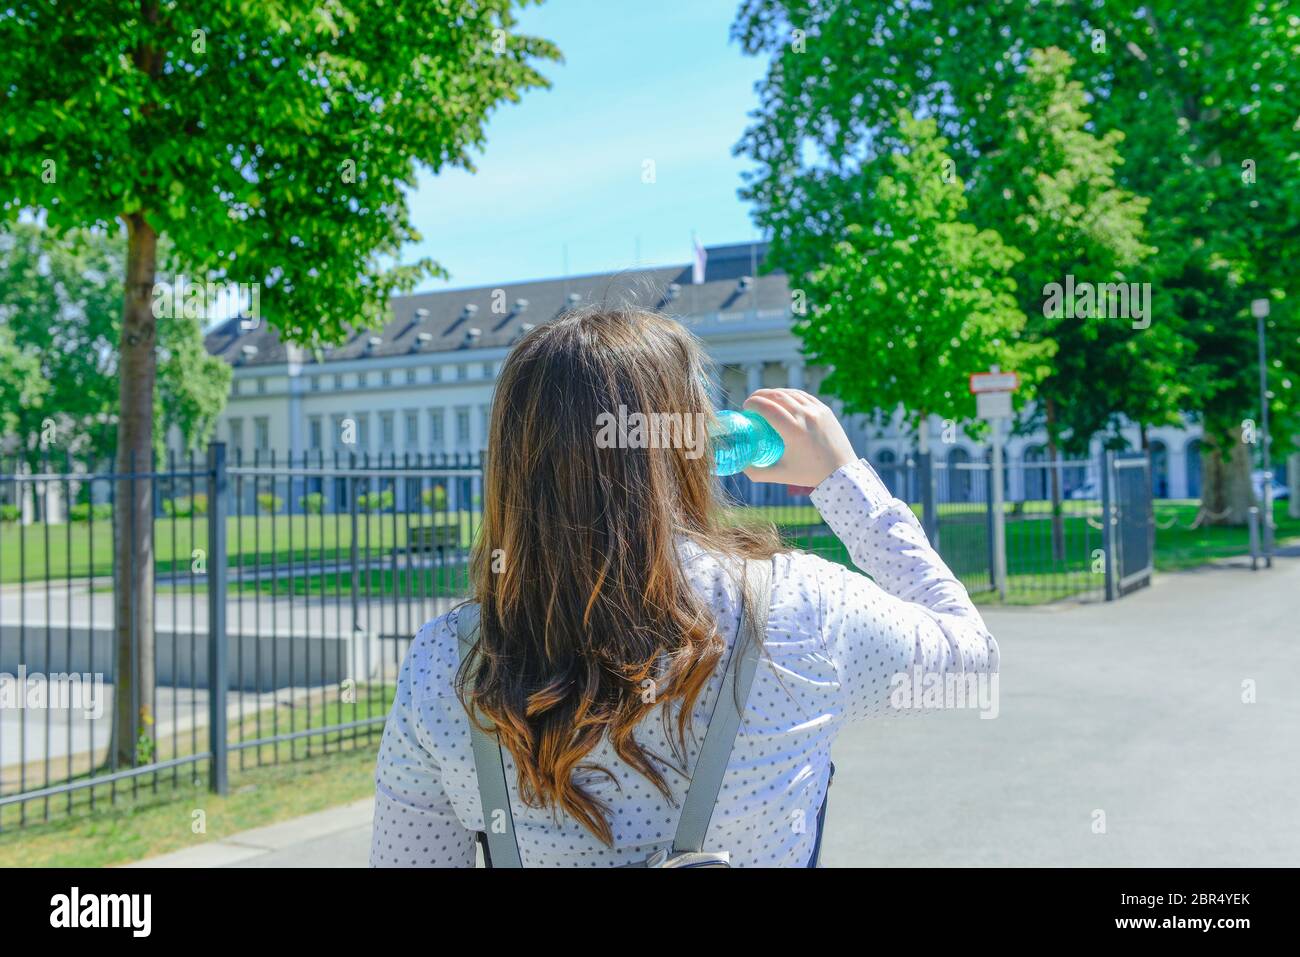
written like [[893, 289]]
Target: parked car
[[1089, 489], [1280, 490]]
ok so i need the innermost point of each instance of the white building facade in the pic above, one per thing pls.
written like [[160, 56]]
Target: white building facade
[[424, 384]]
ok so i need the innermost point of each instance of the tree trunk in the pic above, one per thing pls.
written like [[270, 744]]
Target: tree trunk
[[1226, 492], [133, 718], [1054, 476]]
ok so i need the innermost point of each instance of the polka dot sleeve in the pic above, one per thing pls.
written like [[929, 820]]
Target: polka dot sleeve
[[414, 823], [912, 613]]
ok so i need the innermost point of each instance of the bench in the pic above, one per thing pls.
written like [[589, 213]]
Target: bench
[[428, 538]]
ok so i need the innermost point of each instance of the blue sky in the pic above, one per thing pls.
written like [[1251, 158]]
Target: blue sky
[[641, 81]]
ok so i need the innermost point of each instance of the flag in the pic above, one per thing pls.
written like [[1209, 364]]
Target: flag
[[701, 258]]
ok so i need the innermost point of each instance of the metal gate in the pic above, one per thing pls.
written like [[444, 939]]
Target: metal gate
[[1128, 523]]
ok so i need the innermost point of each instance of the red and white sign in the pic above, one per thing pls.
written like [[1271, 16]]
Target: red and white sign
[[993, 382]]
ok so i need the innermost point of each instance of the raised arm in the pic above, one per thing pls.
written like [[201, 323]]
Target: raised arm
[[915, 615]]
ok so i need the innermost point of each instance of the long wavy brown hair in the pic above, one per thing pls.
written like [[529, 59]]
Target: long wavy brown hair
[[583, 599]]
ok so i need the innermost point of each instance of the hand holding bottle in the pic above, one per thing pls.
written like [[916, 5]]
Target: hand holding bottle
[[815, 442]]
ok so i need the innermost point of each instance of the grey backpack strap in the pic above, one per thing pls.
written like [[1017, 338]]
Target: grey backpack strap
[[715, 752], [489, 764]]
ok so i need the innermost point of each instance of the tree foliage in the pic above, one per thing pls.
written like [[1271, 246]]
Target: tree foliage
[[1198, 99], [61, 303], [270, 142], [912, 298]]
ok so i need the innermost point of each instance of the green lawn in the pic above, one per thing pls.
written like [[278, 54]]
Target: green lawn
[[151, 814], [1181, 546], [446, 581], [1034, 575], [156, 823], [38, 552], [297, 545]]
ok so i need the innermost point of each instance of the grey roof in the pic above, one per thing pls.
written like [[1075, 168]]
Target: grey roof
[[441, 321]]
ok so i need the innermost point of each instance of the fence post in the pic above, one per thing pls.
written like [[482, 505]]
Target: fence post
[[996, 468], [1151, 514], [929, 517], [988, 515], [218, 680], [1266, 518], [1106, 481], [1252, 523], [354, 555]]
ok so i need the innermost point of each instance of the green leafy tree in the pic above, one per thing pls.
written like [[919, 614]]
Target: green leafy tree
[[61, 298], [912, 299], [1206, 98], [1049, 190], [22, 387], [271, 144]]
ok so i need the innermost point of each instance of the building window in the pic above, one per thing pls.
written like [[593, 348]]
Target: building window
[[261, 433], [337, 423], [314, 432], [236, 387], [363, 431], [261, 385], [462, 425], [236, 429], [435, 374], [386, 377], [462, 372], [410, 377], [338, 381], [435, 429], [486, 370], [361, 380], [485, 418], [387, 437], [412, 436], [314, 383]]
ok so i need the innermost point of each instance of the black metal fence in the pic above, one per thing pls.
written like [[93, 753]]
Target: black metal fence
[[314, 573], [283, 595], [1053, 550]]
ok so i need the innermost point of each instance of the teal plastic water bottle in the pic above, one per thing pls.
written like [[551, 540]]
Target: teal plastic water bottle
[[744, 439]]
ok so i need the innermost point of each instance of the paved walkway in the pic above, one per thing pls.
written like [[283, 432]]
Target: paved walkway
[[1132, 710], [338, 837]]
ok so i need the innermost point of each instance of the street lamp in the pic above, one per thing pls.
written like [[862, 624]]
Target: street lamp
[[1259, 309]]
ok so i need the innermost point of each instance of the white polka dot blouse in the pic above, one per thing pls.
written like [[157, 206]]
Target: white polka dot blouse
[[835, 641]]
